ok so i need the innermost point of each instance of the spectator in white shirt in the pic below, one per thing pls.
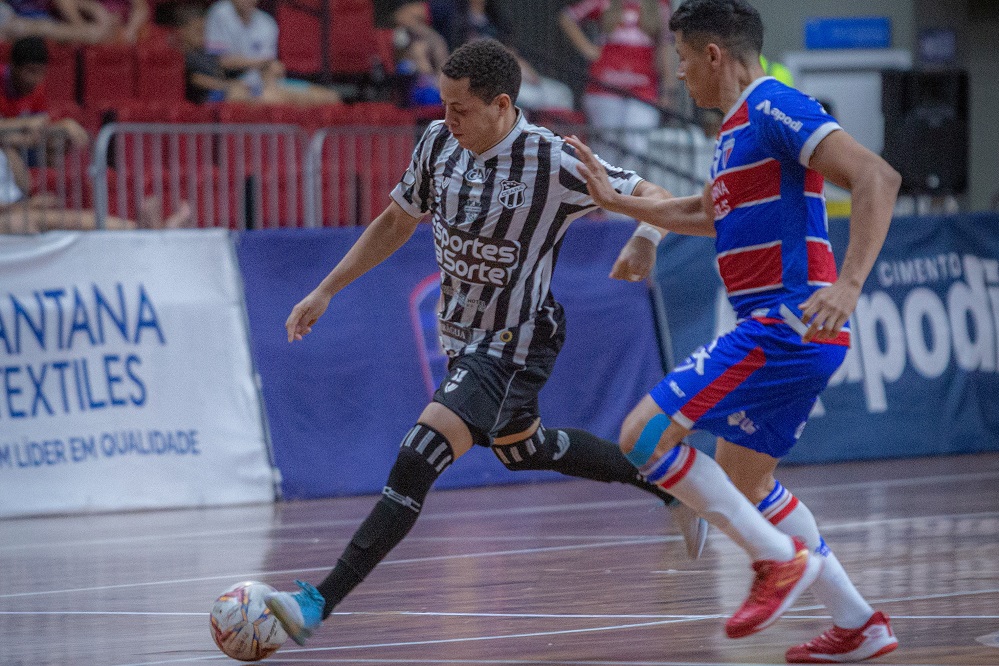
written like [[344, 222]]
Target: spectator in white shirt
[[245, 40]]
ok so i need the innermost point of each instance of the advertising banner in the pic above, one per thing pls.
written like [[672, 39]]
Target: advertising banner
[[922, 375], [125, 375], [340, 401]]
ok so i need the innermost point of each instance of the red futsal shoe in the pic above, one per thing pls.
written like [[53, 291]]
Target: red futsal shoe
[[777, 586], [840, 645]]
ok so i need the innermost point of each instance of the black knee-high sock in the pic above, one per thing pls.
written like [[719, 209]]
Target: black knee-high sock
[[590, 457], [423, 456]]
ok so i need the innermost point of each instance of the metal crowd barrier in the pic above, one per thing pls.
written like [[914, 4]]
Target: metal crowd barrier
[[41, 182], [349, 172], [246, 176], [240, 176]]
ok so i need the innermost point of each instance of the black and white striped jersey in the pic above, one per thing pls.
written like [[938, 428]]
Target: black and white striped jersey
[[498, 220]]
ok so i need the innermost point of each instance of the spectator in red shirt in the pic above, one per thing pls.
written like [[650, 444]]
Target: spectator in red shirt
[[23, 102], [631, 68]]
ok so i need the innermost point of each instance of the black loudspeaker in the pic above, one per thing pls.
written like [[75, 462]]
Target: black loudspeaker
[[926, 129]]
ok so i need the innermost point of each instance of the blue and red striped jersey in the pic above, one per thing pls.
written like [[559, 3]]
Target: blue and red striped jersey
[[770, 215]]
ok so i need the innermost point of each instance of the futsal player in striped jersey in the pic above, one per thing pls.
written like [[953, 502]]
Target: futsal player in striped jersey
[[501, 194], [754, 387]]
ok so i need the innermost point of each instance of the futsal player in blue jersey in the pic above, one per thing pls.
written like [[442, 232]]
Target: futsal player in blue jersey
[[754, 387]]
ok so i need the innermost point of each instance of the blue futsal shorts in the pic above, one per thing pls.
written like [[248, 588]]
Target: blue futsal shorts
[[754, 386]]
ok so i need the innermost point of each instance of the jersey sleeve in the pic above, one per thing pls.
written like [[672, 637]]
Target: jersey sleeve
[[415, 190], [793, 124], [574, 186]]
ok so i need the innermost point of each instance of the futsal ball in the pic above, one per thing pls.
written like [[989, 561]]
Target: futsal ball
[[242, 626]]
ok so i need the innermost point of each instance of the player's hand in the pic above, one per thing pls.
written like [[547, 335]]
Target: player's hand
[[827, 311], [595, 175], [305, 314], [636, 260]]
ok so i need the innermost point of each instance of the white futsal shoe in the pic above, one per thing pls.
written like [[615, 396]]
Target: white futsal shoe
[[693, 528]]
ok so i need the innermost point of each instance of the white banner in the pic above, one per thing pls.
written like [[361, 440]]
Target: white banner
[[125, 374]]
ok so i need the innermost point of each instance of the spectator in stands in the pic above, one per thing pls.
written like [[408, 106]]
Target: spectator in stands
[[24, 214], [129, 17], [420, 52], [23, 102], [631, 67], [207, 80], [244, 38], [537, 92], [13, 26]]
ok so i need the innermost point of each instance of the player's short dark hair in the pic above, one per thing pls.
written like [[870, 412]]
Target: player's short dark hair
[[735, 23], [29, 51], [490, 67]]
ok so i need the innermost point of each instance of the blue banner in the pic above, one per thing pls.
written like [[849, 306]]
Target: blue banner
[[339, 402], [923, 372], [848, 32]]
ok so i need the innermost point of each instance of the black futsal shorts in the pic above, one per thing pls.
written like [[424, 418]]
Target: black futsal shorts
[[494, 396]]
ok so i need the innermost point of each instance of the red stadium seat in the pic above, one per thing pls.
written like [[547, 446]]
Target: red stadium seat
[[108, 75], [160, 73], [300, 38], [353, 44], [60, 79]]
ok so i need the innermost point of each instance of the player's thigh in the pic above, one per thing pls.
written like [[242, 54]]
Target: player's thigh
[[450, 425], [485, 393]]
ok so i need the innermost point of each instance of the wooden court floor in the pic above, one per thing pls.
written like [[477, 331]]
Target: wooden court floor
[[574, 573]]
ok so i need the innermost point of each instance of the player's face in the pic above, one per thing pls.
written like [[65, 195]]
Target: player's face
[[696, 71], [475, 124]]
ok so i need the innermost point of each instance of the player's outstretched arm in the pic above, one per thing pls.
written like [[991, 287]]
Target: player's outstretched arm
[[682, 215], [637, 258], [873, 186], [386, 234]]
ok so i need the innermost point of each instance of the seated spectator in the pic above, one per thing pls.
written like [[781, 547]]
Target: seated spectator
[[207, 80], [537, 92], [245, 39], [35, 22], [23, 102], [420, 52], [24, 214]]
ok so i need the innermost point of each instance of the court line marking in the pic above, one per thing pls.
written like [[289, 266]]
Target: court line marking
[[445, 641], [689, 617], [523, 662], [639, 540], [483, 513], [470, 639]]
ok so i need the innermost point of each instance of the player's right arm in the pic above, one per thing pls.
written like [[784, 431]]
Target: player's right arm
[[692, 216], [386, 234]]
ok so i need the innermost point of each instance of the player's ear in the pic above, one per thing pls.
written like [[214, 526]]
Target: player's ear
[[503, 101]]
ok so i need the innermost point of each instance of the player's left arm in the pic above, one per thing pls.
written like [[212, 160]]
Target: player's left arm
[[873, 185]]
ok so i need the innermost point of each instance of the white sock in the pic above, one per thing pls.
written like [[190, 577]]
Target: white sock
[[833, 588], [698, 481]]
